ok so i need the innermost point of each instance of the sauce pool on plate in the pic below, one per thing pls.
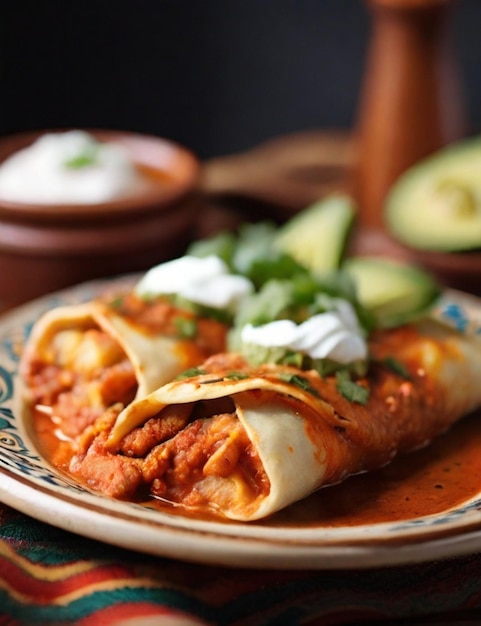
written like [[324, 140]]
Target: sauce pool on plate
[[426, 482], [441, 476]]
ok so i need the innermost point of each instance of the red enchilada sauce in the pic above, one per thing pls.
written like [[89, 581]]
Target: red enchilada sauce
[[432, 480], [426, 482], [160, 316]]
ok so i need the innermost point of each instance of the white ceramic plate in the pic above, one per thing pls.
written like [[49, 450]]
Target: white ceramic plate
[[29, 484]]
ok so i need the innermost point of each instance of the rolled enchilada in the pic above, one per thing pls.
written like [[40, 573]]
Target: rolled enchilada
[[82, 359], [244, 441]]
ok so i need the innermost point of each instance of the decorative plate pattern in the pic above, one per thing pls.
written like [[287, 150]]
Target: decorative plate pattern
[[30, 484]]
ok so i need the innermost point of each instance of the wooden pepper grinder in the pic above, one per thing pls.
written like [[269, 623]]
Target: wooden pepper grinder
[[411, 102]]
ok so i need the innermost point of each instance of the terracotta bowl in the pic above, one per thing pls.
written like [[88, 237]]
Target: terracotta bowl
[[47, 247]]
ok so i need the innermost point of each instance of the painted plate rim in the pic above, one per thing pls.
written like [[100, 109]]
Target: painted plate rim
[[29, 484]]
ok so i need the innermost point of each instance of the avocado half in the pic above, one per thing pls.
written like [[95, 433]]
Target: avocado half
[[393, 291], [317, 236], [436, 204]]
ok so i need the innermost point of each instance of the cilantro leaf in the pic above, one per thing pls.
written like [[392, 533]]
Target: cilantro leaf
[[396, 367], [186, 327], [351, 390], [190, 373], [221, 245], [299, 381], [86, 158]]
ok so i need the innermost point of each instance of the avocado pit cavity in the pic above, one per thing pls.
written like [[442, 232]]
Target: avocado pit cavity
[[455, 199]]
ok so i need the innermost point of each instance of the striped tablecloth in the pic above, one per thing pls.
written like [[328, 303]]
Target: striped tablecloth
[[51, 577]]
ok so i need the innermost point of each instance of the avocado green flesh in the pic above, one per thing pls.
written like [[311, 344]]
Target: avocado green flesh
[[393, 291], [436, 204], [317, 236]]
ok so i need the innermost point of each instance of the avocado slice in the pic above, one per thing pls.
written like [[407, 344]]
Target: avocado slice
[[436, 204], [394, 292], [317, 236]]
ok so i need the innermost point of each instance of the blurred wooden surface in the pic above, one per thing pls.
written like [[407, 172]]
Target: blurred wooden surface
[[283, 175], [411, 101]]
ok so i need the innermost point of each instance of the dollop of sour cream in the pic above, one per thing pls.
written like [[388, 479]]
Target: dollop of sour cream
[[69, 167], [206, 281], [334, 335]]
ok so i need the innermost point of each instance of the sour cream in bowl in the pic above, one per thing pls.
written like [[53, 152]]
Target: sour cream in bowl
[[80, 204], [70, 167], [86, 168]]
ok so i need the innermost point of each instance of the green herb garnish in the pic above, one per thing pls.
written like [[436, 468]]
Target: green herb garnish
[[351, 390], [222, 245], [186, 327], [299, 381], [236, 376], [86, 158], [190, 373], [117, 302], [396, 367], [250, 252]]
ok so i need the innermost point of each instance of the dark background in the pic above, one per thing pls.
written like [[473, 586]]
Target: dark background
[[217, 75]]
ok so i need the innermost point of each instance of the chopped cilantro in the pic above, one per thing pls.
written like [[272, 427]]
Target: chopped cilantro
[[236, 376], [200, 310], [395, 366], [295, 359], [117, 302], [297, 298], [186, 327], [80, 161], [250, 252], [270, 303], [257, 355], [328, 367], [299, 381], [349, 389], [190, 373], [86, 158], [278, 266], [254, 242], [222, 245]]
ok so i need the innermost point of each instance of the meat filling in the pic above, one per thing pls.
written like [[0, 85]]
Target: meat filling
[[179, 456], [84, 371], [87, 372]]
